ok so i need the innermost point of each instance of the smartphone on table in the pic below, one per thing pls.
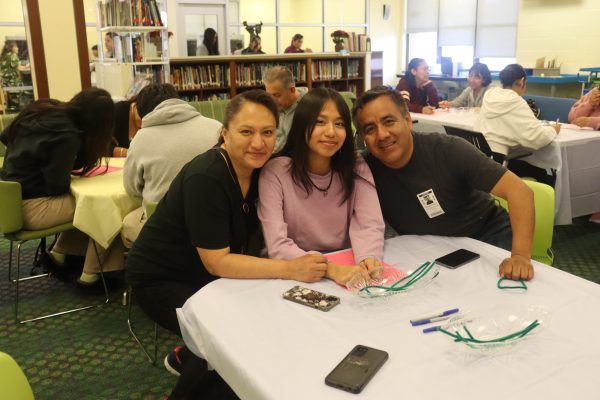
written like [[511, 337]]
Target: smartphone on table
[[311, 298], [457, 258], [356, 369]]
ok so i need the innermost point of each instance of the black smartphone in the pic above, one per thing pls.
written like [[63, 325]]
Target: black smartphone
[[311, 298], [356, 369], [457, 258]]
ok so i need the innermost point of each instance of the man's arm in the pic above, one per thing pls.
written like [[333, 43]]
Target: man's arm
[[522, 221]]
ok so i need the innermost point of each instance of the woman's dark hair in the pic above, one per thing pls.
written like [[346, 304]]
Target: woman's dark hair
[[297, 36], [152, 95], [31, 111], [303, 124], [8, 47], [92, 110], [481, 70], [257, 96], [510, 74], [209, 41], [413, 64]]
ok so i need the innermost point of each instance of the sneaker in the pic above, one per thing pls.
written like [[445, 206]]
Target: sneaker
[[173, 362], [595, 218]]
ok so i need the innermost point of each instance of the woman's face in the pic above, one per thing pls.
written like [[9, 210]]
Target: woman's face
[[250, 139], [421, 73], [475, 81], [15, 49], [328, 134]]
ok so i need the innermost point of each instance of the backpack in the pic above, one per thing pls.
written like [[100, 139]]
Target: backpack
[[535, 109]]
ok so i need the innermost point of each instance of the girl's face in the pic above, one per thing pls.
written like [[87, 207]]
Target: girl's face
[[421, 73], [250, 138], [329, 133], [475, 81]]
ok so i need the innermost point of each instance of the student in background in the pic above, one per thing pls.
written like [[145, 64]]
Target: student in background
[[94, 52], [206, 227], [296, 45], [172, 133], [422, 92], [507, 123], [586, 112], [210, 44], [479, 82], [255, 46], [127, 123], [411, 169], [317, 195], [46, 142], [109, 45], [279, 83]]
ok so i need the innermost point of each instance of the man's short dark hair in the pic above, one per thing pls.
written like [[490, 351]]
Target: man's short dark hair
[[297, 36], [95, 47], [373, 94], [152, 95]]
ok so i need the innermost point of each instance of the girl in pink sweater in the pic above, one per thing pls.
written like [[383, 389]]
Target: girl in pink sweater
[[586, 112], [317, 195]]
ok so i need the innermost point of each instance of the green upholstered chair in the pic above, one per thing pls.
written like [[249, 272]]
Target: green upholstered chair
[[13, 382], [127, 300], [544, 221], [11, 226]]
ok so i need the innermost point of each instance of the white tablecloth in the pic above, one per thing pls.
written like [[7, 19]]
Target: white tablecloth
[[574, 154], [269, 348]]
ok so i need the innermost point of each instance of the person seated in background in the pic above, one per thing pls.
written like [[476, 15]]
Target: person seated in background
[[94, 52], [586, 112], [109, 45], [47, 143], [437, 184], [254, 47], [127, 123], [317, 195], [209, 45], [423, 95], [507, 123], [279, 83], [172, 133], [479, 82], [296, 45], [206, 227]]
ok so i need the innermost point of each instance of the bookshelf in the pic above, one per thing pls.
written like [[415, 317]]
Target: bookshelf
[[222, 77], [139, 51]]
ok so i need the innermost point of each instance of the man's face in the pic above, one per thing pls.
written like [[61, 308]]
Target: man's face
[[297, 43], [284, 97], [108, 43], [386, 132]]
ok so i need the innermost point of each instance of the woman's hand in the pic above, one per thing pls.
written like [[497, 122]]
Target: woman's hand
[[557, 127], [341, 274], [445, 104], [308, 268], [428, 110], [583, 121]]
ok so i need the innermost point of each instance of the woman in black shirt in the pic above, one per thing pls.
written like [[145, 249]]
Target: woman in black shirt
[[206, 227]]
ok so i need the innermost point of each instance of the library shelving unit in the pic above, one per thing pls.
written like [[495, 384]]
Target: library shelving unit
[[140, 51], [214, 77]]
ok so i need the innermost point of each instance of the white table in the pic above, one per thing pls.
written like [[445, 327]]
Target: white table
[[269, 348], [574, 154]]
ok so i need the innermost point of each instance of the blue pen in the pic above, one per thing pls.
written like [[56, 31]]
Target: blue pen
[[432, 329], [432, 318]]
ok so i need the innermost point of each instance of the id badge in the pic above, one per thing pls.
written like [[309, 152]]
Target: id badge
[[430, 203]]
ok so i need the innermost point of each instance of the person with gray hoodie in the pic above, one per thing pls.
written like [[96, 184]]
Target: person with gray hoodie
[[172, 134]]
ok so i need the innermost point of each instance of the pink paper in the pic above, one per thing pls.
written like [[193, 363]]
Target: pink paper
[[101, 170], [346, 257]]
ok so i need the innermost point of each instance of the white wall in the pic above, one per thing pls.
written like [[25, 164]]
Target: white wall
[[388, 36]]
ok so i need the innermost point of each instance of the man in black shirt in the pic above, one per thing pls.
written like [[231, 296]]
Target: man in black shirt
[[440, 185]]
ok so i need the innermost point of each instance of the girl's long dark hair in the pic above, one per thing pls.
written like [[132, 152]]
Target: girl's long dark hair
[[91, 110], [210, 42], [413, 64], [305, 119]]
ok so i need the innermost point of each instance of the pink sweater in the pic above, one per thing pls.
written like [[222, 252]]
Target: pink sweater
[[294, 224], [583, 108]]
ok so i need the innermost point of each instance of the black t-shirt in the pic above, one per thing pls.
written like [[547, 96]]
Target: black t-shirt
[[460, 176], [202, 208]]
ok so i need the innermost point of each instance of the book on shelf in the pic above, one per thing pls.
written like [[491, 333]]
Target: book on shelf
[[327, 69], [357, 42], [190, 77], [251, 74], [212, 96], [129, 13]]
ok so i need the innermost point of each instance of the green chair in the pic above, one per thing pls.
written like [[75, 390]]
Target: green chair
[[128, 300], [11, 225], [13, 382], [544, 221]]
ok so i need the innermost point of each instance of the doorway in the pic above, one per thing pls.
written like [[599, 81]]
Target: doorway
[[193, 19]]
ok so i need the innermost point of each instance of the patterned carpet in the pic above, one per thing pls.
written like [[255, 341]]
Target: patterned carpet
[[90, 355]]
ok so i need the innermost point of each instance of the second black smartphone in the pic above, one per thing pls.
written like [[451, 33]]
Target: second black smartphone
[[457, 258], [356, 369]]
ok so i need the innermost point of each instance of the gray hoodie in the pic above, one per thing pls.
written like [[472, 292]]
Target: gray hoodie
[[507, 122], [171, 135]]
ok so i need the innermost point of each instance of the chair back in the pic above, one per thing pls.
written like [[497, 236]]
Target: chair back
[[150, 208], [544, 221], [13, 382], [475, 138], [11, 214]]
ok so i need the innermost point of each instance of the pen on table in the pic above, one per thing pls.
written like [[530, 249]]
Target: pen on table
[[429, 318]]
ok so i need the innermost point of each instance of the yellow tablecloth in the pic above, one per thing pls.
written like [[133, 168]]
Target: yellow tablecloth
[[101, 204]]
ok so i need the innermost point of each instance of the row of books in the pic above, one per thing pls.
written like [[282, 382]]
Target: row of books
[[200, 76], [357, 42], [353, 68], [129, 13], [135, 47], [212, 96], [251, 74], [327, 70]]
